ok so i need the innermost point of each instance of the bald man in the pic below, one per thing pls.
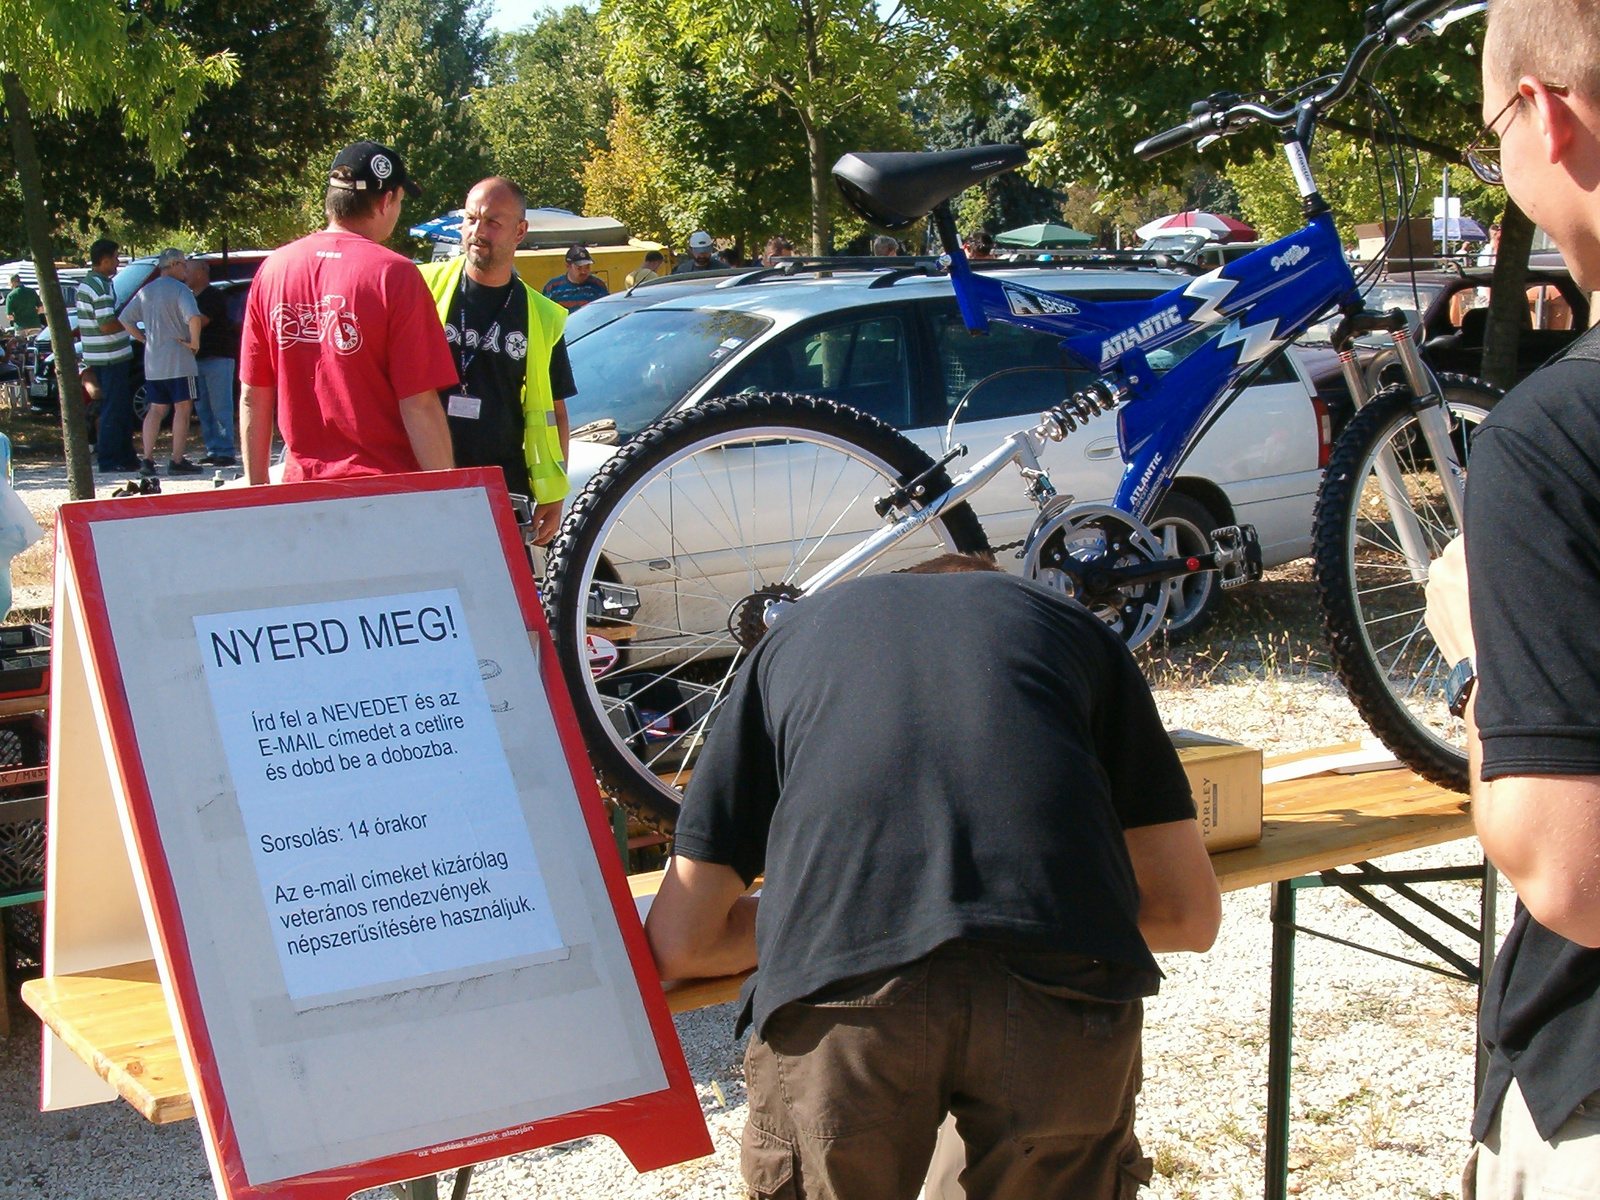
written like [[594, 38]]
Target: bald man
[[509, 409]]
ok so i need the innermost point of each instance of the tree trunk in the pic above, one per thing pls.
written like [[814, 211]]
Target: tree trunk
[[74, 433], [821, 212], [1508, 298]]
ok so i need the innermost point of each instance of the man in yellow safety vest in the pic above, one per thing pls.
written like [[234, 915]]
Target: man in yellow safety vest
[[509, 408]]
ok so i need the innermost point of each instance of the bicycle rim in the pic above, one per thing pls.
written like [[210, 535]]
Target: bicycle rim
[[697, 533]]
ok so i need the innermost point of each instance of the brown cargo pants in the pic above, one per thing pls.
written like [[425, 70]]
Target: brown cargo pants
[[848, 1090]]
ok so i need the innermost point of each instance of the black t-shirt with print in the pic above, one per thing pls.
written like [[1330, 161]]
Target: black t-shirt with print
[[492, 336], [1533, 553], [913, 759]]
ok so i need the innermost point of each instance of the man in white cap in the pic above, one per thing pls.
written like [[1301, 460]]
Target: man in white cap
[[702, 255]]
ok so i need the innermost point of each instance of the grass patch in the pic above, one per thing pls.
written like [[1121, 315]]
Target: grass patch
[[35, 437]]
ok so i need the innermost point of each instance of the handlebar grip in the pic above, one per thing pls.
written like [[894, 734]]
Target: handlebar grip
[[1178, 135]]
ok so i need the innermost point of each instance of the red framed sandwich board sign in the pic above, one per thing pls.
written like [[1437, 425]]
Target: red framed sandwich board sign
[[311, 751]]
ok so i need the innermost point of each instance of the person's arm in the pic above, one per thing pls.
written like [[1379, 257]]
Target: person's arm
[[256, 408], [195, 322], [429, 431], [701, 924], [1180, 904], [1541, 831]]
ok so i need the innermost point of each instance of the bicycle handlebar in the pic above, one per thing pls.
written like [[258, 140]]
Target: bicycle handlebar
[[1398, 19]]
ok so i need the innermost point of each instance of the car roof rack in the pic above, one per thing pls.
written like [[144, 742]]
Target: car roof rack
[[890, 270]]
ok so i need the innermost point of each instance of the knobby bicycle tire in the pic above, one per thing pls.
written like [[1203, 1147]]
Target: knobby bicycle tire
[[1333, 548], [621, 775]]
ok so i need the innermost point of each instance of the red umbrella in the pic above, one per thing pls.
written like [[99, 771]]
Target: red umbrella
[[1224, 229]]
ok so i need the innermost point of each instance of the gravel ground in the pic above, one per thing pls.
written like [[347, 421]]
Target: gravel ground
[[1383, 1052]]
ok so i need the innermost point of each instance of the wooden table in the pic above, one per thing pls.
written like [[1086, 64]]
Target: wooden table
[[117, 1021]]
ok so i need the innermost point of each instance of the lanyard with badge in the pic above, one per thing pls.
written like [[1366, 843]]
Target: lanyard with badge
[[464, 403]]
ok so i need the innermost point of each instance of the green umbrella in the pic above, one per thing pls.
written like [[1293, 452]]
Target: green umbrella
[[1048, 236]]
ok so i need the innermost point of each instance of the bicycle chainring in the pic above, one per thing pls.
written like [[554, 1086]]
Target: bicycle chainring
[[747, 620], [1064, 550]]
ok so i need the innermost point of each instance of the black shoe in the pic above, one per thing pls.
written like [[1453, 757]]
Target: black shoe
[[147, 467], [220, 460], [182, 466], [150, 486]]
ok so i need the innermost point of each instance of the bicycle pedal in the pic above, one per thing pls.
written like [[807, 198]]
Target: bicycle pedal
[[1238, 553]]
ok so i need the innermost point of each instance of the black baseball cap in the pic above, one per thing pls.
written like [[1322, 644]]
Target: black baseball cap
[[373, 167], [579, 253]]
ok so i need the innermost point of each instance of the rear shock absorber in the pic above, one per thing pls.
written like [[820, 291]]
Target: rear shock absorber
[[1101, 396]]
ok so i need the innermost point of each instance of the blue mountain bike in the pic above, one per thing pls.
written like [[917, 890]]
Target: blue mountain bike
[[709, 526]]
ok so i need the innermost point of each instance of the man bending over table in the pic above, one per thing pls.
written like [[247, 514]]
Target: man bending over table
[[974, 832]]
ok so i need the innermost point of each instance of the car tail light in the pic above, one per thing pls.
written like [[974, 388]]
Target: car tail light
[[1319, 407]]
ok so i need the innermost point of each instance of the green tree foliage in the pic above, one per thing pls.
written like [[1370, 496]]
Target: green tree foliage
[[1349, 182], [624, 179], [822, 65], [986, 112], [395, 90], [84, 57], [455, 32], [546, 105], [1104, 75], [247, 143]]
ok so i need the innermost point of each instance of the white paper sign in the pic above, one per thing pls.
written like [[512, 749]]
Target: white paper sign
[[382, 815]]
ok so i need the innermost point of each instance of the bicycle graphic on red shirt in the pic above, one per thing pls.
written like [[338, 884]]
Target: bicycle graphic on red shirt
[[328, 320]]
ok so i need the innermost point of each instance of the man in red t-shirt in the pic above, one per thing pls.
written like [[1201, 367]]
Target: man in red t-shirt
[[342, 341]]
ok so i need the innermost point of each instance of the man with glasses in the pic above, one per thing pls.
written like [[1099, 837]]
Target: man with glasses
[[1531, 692]]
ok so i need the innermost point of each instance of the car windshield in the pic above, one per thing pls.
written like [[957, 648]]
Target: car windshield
[[632, 370]]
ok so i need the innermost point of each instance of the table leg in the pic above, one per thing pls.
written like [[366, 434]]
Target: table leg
[[1280, 1037], [463, 1182], [1486, 953]]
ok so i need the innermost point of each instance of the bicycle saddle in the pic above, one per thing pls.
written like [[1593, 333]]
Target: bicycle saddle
[[893, 190]]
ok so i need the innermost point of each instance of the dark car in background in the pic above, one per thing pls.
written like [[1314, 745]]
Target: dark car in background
[[1449, 314]]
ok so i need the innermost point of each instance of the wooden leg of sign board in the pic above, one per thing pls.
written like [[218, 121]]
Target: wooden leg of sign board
[[93, 918]]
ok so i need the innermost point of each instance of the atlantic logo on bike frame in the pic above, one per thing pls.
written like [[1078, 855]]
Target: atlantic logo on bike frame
[[1024, 302], [328, 320], [1146, 329]]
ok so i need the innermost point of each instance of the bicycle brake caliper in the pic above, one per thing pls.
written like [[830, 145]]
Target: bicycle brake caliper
[[1238, 552]]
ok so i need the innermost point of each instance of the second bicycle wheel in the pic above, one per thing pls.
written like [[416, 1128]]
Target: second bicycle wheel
[[1373, 542], [655, 586]]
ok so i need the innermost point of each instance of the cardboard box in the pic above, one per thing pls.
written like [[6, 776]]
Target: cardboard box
[[1226, 780], [1414, 243]]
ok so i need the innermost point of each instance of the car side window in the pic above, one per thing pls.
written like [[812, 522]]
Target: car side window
[[862, 363], [1042, 374]]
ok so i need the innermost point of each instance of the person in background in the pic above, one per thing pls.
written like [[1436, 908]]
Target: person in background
[[108, 356], [654, 265], [979, 244], [218, 356], [510, 408], [22, 307], [166, 309], [578, 286], [702, 255], [884, 246], [972, 843], [778, 247], [1526, 676], [342, 341]]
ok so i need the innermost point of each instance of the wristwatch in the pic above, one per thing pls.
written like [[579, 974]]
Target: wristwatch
[[1458, 685]]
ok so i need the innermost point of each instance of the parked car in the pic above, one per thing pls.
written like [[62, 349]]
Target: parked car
[[890, 341], [1449, 315]]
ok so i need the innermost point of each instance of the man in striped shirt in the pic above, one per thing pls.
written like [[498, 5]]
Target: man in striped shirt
[[108, 350]]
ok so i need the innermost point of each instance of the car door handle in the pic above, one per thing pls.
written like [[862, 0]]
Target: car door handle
[[1105, 447]]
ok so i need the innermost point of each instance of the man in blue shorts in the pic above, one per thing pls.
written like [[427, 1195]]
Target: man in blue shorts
[[170, 319]]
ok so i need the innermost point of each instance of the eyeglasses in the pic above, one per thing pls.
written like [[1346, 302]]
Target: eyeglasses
[[1483, 156]]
